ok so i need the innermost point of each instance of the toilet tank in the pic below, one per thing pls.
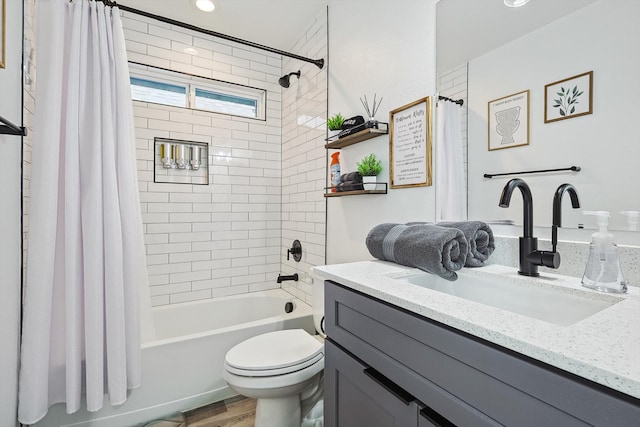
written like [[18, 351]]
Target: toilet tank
[[317, 303]]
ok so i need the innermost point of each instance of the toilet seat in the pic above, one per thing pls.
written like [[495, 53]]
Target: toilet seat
[[274, 353]]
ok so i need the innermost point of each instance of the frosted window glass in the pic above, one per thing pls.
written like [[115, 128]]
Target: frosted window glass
[[158, 92], [222, 103]]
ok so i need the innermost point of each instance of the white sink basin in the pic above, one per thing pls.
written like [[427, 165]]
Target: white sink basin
[[538, 298]]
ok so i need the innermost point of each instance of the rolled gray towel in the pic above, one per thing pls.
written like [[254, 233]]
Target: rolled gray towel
[[349, 186], [351, 177], [431, 248], [479, 236]]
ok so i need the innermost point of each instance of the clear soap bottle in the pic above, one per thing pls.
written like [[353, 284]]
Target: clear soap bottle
[[603, 271]]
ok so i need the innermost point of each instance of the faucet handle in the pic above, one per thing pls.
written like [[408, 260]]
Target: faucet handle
[[296, 251], [549, 259]]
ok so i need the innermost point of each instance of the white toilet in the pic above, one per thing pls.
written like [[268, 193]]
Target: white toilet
[[281, 369]]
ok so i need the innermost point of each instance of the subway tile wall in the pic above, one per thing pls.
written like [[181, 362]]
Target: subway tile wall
[[224, 238], [266, 177], [304, 112], [29, 101]]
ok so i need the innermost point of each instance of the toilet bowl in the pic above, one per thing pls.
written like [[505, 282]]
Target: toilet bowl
[[282, 370], [276, 369]]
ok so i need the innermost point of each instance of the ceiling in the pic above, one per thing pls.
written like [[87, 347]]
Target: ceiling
[[467, 29], [273, 23]]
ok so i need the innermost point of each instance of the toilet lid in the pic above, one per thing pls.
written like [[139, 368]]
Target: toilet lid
[[274, 353]]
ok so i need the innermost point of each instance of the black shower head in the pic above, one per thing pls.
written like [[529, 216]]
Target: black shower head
[[284, 80]]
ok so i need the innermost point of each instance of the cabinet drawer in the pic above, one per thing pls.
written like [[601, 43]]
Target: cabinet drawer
[[467, 380], [361, 396]]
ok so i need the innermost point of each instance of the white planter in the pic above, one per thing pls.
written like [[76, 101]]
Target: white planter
[[333, 134], [369, 182]]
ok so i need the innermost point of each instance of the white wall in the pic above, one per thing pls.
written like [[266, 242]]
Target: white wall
[[387, 48], [606, 144], [10, 176]]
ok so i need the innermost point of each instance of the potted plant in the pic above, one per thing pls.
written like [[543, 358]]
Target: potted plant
[[369, 167], [334, 123]]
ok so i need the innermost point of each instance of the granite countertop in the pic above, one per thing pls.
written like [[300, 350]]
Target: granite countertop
[[604, 347]]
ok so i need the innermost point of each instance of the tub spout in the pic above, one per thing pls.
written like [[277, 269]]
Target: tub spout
[[282, 278]]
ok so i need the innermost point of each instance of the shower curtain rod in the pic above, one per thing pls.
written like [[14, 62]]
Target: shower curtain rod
[[445, 98], [318, 62], [571, 168]]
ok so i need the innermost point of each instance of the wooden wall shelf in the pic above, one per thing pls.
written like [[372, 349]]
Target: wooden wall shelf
[[363, 135], [357, 192]]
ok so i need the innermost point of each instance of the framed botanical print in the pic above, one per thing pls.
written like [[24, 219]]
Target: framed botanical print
[[569, 98]]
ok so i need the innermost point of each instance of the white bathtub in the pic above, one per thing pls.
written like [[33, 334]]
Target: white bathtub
[[182, 369]]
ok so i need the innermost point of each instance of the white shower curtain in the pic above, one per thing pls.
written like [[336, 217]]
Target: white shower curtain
[[85, 259], [451, 188]]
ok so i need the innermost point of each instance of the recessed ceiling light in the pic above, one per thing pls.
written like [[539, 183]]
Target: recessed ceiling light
[[190, 51], [515, 3], [205, 5]]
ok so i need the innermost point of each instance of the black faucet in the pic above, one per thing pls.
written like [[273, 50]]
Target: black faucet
[[530, 256], [557, 210]]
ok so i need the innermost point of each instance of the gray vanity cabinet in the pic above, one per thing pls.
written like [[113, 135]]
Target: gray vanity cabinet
[[357, 387], [367, 398], [385, 366]]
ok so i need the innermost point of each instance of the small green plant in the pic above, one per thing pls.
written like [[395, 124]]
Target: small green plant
[[335, 122], [566, 100], [369, 166]]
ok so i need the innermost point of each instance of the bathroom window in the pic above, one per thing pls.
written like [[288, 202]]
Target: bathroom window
[[160, 86], [225, 103], [158, 92]]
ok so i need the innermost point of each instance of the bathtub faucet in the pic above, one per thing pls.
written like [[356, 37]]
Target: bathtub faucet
[[293, 277]]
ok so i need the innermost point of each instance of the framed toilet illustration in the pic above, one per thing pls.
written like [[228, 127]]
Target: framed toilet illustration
[[508, 121]]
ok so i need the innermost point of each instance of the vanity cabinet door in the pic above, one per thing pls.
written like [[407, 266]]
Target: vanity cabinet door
[[359, 396]]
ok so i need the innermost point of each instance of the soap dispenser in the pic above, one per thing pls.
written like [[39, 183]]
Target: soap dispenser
[[603, 271]]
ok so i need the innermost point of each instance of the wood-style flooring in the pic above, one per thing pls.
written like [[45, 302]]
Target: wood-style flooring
[[237, 411]]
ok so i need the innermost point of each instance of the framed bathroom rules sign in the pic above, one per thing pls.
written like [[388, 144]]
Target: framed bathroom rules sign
[[410, 144], [509, 121]]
